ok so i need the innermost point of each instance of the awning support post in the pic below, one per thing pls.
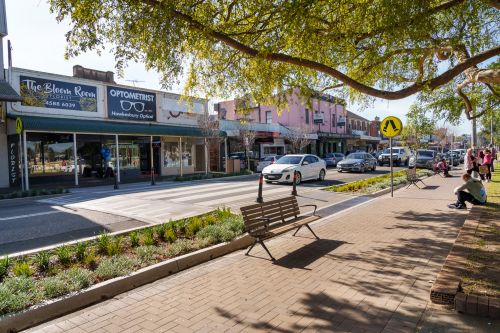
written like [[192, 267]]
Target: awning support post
[[181, 157], [152, 166], [25, 157], [75, 159]]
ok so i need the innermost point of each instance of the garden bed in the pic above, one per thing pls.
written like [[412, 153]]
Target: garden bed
[[32, 193], [33, 280], [374, 184]]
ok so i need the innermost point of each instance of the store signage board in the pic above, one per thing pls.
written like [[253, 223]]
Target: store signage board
[[129, 104], [52, 94]]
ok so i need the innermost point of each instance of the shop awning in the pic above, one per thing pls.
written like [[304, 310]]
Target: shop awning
[[71, 125], [7, 93]]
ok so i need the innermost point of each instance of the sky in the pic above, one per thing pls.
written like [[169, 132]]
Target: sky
[[38, 43]]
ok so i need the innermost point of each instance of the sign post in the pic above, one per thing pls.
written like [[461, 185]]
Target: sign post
[[390, 127]]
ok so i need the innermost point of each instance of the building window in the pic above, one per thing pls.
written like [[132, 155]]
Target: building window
[[333, 120], [307, 116], [269, 117]]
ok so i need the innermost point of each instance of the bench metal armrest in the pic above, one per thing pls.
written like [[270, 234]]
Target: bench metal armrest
[[315, 207]]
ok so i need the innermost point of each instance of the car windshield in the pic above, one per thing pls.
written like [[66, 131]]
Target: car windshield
[[267, 159], [355, 156], [329, 155], [289, 160], [425, 153], [388, 151]]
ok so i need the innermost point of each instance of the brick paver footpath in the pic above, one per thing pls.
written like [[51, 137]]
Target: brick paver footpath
[[370, 272]]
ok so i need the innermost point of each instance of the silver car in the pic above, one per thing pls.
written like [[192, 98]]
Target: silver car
[[359, 162]]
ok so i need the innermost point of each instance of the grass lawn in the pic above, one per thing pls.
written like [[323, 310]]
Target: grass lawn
[[483, 264]]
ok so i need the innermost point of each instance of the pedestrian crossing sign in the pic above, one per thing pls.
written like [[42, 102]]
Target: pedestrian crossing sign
[[391, 126], [19, 125]]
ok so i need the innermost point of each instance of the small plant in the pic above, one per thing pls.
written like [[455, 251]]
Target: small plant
[[193, 227], [148, 238], [113, 267], [170, 236], [90, 259], [134, 239], [4, 267], [103, 242], [64, 255], [147, 254], [42, 260], [53, 286], [19, 284], [179, 247], [22, 268], [114, 247], [12, 302], [80, 250], [77, 278], [160, 231]]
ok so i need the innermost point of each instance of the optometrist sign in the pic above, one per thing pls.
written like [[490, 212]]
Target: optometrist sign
[[129, 104]]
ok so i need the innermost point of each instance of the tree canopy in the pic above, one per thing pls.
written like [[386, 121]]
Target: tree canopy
[[389, 49]]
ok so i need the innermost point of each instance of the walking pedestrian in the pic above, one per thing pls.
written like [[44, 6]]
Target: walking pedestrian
[[469, 161]]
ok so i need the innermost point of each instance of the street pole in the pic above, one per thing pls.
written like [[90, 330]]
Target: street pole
[[294, 186], [152, 167], [390, 162], [21, 164], [491, 129], [259, 195]]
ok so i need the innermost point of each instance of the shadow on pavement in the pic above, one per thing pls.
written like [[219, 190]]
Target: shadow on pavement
[[308, 254]]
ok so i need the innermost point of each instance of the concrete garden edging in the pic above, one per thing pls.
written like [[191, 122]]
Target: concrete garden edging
[[52, 309]]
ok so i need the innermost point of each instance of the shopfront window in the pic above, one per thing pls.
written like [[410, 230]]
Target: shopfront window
[[50, 154], [171, 153]]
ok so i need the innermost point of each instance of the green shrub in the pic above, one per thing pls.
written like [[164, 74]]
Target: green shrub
[[222, 213], [44, 192], [160, 230], [80, 250], [64, 255], [77, 278], [147, 254], [103, 242], [148, 237], [22, 268], [90, 259], [25, 194], [14, 195], [193, 226], [34, 193], [11, 302], [19, 284], [179, 247], [114, 247], [113, 267], [4, 267], [134, 239], [170, 236], [42, 260], [53, 286]]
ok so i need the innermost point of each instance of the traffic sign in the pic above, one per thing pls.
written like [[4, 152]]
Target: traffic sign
[[19, 125], [391, 126]]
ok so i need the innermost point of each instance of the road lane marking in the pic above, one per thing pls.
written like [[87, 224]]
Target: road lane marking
[[28, 215]]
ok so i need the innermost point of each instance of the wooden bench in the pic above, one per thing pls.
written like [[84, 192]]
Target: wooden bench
[[273, 218], [412, 177]]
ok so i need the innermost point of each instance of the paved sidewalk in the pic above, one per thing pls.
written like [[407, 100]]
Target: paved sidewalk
[[370, 272]]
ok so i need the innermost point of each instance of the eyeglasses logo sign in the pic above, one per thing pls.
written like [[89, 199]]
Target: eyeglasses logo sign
[[129, 104]]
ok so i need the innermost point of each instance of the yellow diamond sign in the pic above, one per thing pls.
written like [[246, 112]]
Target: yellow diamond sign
[[391, 126]]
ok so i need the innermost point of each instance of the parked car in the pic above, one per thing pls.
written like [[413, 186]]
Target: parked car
[[268, 160], [332, 159], [307, 167], [460, 153], [423, 158], [452, 158], [400, 156], [357, 162]]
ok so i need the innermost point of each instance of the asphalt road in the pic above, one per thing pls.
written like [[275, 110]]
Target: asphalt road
[[36, 222]]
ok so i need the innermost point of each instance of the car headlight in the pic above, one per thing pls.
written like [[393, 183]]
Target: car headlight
[[357, 164], [380, 157]]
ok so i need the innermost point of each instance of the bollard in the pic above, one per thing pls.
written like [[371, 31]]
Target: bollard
[[152, 176], [259, 195], [116, 182], [294, 190]]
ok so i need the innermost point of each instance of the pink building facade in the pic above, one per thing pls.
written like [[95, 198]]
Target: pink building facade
[[322, 118]]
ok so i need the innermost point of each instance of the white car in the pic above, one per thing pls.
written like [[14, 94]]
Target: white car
[[307, 167], [268, 160]]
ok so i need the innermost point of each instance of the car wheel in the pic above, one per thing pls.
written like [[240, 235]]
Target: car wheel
[[374, 167], [380, 164], [339, 170], [321, 175], [268, 182], [398, 163], [298, 178], [362, 169]]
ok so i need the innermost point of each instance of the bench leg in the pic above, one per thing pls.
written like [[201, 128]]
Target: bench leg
[[308, 227], [250, 248], [265, 248], [296, 231]]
